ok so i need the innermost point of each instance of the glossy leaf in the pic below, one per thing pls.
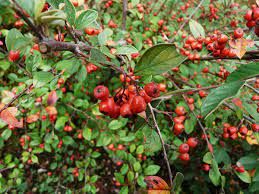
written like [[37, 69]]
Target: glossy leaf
[[159, 59], [214, 173], [244, 176], [177, 182], [218, 95], [151, 169]]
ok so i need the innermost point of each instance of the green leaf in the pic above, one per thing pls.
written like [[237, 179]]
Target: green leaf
[[152, 143], [124, 169], [124, 190], [189, 125], [70, 12], [151, 170], [136, 166], [38, 6], [41, 78], [15, 40], [60, 123], [55, 3], [196, 29], [6, 134], [68, 140], [115, 124], [218, 95], [86, 18], [141, 181], [34, 159], [87, 133], [244, 72], [140, 149], [245, 177], [104, 36], [177, 182], [207, 158], [70, 66], [130, 176], [214, 173], [249, 162], [159, 59], [126, 50]]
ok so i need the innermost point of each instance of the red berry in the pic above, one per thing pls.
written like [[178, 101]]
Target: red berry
[[184, 148], [184, 157], [14, 56], [178, 128], [255, 127], [255, 13], [152, 89], [125, 110], [180, 110], [206, 167], [238, 33], [101, 92], [106, 106], [146, 97], [243, 130], [222, 39], [138, 104], [232, 130], [192, 142], [248, 15]]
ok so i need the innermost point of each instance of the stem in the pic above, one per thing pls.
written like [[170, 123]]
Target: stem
[[124, 14], [163, 145], [15, 98]]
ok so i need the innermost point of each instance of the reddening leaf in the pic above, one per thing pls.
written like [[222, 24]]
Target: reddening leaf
[[240, 46], [52, 98], [51, 110], [156, 183], [32, 118], [8, 116]]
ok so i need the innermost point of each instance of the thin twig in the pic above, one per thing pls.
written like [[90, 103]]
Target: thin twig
[[124, 14], [15, 98], [252, 88], [163, 145], [187, 20]]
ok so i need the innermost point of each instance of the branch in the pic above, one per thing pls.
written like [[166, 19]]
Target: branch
[[21, 12], [124, 14], [163, 145], [15, 98], [187, 20], [53, 45]]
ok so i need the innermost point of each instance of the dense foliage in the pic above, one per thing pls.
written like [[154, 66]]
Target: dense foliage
[[100, 96]]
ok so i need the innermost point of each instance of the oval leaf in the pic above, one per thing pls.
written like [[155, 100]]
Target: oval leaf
[[244, 72], [159, 59], [86, 18], [218, 95], [196, 29]]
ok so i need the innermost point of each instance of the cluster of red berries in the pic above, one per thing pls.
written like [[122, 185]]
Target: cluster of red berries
[[23, 140], [252, 17], [128, 101], [112, 24], [232, 131], [75, 172], [213, 13], [108, 4], [192, 44], [141, 8], [92, 31], [185, 148], [68, 128], [185, 7], [179, 120], [90, 68]]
